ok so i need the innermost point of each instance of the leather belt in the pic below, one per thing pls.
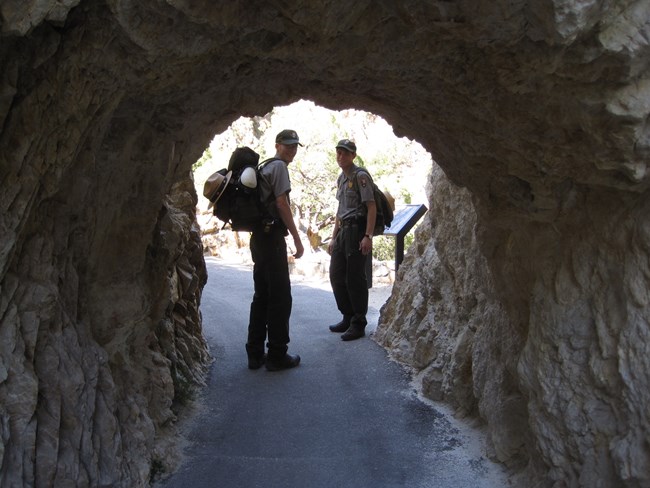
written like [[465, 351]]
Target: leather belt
[[349, 222]]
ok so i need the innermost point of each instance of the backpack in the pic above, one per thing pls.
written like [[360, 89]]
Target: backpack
[[382, 204], [239, 203]]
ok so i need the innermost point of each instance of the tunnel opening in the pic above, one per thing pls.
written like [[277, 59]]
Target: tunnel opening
[[399, 166]]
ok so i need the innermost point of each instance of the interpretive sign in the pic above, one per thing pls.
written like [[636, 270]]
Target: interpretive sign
[[403, 221]]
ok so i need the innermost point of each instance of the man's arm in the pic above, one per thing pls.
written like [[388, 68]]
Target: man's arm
[[334, 233], [284, 210], [366, 243]]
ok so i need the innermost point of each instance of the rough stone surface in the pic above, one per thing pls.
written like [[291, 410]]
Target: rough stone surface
[[524, 300], [541, 330]]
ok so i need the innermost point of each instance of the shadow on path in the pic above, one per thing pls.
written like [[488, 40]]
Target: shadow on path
[[346, 417]]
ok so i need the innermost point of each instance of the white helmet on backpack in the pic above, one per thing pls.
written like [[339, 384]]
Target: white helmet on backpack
[[248, 177]]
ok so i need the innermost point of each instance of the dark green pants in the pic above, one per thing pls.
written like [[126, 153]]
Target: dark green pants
[[271, 305], [348, 275]]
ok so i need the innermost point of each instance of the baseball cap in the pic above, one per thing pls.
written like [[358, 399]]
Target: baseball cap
[[287, 137], [348, 145]]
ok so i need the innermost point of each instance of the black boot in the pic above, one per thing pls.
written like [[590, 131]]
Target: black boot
[[342, 326], [256, 362], [354, 332], [286, 362], [256, 356]]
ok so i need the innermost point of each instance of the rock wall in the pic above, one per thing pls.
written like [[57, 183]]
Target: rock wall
[[541, 330], [531, 312]]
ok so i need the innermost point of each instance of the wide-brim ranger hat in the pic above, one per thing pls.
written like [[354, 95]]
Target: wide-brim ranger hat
[[348, 145], [215, 185], [287, 137]]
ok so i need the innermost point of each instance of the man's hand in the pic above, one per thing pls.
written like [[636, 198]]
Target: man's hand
[[365, 246], [300, 250]]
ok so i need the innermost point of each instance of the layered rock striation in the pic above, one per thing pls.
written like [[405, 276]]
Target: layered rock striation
[[524, 301]]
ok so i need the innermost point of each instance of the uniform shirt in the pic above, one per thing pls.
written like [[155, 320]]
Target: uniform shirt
[[275, 182], [348, 192]]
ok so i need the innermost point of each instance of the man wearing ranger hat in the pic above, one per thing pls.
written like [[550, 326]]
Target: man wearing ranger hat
[[271, 305], [351, 242]]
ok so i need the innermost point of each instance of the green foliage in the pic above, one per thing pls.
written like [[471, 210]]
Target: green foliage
[[383, 247], [207, 156]]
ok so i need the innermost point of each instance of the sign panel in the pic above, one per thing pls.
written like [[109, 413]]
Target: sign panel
[[404, 219]]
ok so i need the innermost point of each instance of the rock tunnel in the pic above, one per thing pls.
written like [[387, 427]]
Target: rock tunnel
[[531, 315]]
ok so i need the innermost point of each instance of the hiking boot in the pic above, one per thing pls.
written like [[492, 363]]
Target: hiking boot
[[256, 362], [342, 326], [353, 332], [287, 362]]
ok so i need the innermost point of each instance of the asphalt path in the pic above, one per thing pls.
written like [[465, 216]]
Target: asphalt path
[[347, 416]]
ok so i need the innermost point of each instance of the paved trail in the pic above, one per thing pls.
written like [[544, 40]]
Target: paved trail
[[346, 417]]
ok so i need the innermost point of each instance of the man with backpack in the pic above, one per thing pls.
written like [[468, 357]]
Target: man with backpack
[[271, 306], [351, 242]]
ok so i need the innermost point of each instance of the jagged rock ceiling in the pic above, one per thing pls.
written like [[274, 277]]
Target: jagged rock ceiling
[[538, 109]]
